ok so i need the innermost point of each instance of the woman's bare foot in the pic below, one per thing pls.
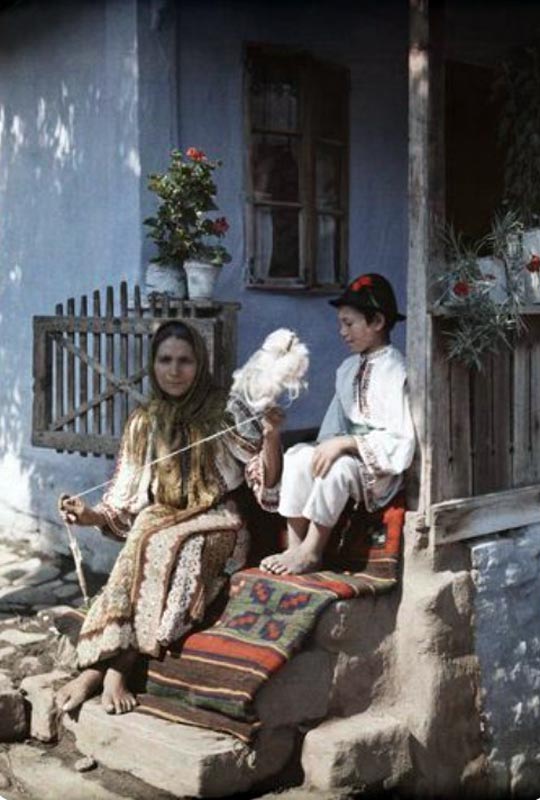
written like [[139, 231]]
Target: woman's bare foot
[[294, 561], [116, 697], [74, 693]]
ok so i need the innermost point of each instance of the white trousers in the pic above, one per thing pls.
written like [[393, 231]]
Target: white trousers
[[320, 500]]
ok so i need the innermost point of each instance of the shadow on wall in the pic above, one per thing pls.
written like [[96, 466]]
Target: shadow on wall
[[69, 207]]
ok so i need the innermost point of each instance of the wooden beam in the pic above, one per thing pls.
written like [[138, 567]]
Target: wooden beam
[[426, 205], [466, 518]]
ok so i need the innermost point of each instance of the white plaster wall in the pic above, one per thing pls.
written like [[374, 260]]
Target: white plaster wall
[[69, 214]]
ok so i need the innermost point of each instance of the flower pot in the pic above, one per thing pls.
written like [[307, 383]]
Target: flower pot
[[201, 279], [531, 249], [169, 279]]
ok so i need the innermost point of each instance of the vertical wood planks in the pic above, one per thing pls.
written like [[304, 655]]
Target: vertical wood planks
[[138, 357], [534, 326], [502, 416], [109, 360], [522, 452], [59, 371], [124, 356], [441, 427], [70, 375], [482, 433], [461, 480], [83, 368], [96, 353]]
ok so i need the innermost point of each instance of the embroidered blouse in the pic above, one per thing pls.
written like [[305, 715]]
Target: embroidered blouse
[[238, 458], [371, 404]]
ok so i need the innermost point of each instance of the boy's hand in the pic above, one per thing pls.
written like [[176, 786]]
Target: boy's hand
[[329, 451]]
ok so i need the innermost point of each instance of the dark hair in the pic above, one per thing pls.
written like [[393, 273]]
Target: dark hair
[[174, 329], [369, 315]]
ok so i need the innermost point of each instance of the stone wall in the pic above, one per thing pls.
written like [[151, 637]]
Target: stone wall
[[507, 632]]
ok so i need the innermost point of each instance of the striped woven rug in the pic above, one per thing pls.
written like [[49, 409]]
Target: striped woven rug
[[212, 682]]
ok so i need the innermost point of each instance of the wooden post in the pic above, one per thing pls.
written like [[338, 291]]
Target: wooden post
[[426, 193], [42, 369]]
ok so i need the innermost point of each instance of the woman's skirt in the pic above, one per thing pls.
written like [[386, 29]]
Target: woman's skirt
[[173, 565]]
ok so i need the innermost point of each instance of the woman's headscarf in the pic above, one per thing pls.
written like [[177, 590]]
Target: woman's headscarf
[[188, 479]]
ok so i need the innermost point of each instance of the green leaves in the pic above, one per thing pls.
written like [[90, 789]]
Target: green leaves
[[181, 228], [480, 321]]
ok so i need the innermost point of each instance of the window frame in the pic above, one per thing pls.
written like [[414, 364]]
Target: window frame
[[308, 138]]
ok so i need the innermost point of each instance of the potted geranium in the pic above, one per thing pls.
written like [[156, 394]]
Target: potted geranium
[[187, 237]]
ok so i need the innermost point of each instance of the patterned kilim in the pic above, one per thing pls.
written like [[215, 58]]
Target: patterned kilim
[[213, 681]]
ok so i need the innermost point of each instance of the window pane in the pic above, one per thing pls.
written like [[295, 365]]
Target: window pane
[[328, 248], [328, 177], [274, 92], [331, 104], [275, 168], [277, 253]]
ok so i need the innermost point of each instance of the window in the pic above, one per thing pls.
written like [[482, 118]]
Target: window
[[297, 127]]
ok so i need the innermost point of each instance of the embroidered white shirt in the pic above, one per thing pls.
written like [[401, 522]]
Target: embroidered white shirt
[[371, 404]]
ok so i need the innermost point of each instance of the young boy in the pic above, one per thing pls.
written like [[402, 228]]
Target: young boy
[[366, 440]]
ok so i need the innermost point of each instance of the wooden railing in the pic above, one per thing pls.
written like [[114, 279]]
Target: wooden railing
[[90, 365], [486, 425]]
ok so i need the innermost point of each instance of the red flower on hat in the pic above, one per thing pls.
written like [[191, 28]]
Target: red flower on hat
[[195, 155], [364, 282], [534, 263], [461, 289]]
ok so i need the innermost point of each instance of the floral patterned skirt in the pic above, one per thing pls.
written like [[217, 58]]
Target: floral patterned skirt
[[172, 566]]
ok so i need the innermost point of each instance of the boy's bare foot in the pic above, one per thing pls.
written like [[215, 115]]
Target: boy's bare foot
[[294, 561], [116, 697], [74, 693]]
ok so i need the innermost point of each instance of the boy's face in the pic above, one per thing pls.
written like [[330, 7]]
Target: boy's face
[[361, 336]]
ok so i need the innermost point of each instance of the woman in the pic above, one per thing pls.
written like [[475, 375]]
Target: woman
[[183, 533]]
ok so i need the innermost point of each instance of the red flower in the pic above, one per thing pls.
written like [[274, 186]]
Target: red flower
[[361, 283], [534, 263], [195, 155], [461, 289], [220, 226]]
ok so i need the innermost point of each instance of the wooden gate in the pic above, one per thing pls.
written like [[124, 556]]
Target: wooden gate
[[90, 369]]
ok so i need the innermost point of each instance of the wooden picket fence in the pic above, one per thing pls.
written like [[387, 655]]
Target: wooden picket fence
[[90, 369], [486, 425]]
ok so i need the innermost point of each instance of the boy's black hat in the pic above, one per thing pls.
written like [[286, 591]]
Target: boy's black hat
[[371, 291]]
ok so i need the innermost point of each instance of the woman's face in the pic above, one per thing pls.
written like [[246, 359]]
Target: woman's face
[[175, 366]]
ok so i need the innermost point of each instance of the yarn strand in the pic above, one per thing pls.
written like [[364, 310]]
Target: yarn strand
[[170, 455]]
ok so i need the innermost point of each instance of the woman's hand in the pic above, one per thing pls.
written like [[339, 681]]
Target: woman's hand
[[74, 511], [329, 451], [272, 421]]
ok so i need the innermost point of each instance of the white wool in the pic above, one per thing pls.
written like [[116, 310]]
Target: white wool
[[277, 368]]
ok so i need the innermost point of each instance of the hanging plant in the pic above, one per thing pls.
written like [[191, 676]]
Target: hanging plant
[[483, 296]]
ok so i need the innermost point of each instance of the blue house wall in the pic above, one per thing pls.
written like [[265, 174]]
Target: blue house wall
[[93, 95], [369, 38]]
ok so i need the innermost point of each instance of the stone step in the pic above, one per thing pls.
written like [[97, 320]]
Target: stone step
[[370, 750], [180, 759]]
